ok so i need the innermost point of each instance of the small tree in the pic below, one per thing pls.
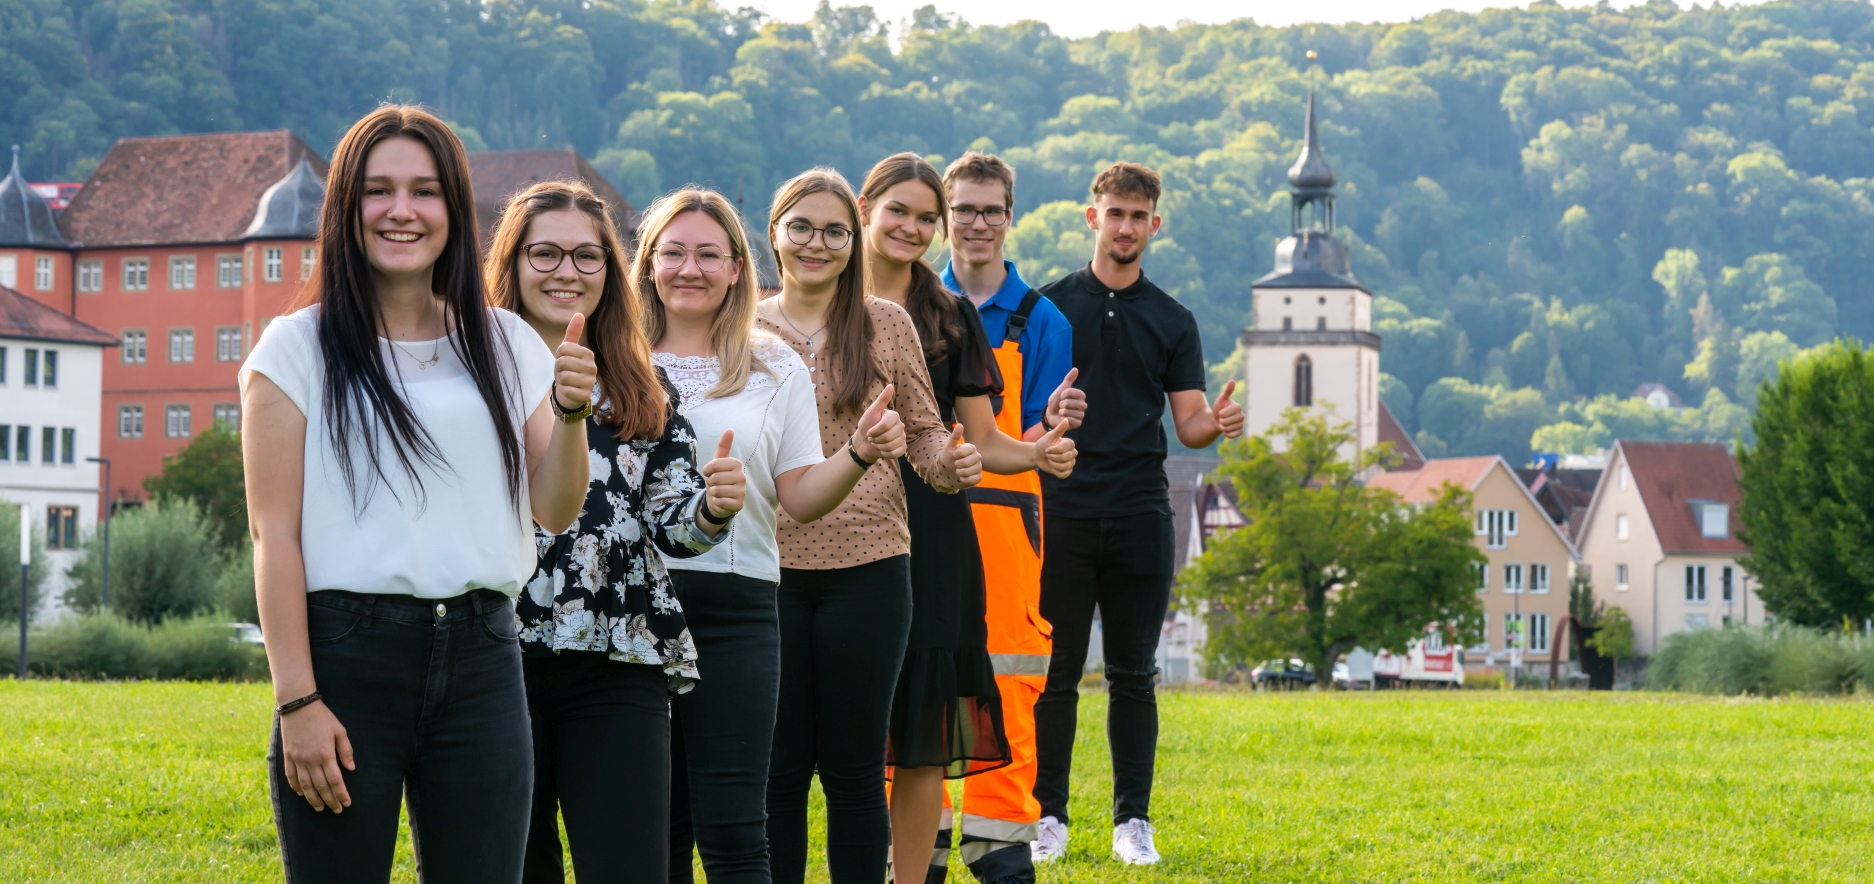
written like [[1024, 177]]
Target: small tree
[[209, 472], [10, 564], [1613, 638], [164, 563], [1327, 564]]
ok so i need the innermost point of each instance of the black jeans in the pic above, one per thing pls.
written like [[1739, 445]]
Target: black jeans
[[722, 731], [1123, 565], [843, 634], [429, 693], [601, 759]]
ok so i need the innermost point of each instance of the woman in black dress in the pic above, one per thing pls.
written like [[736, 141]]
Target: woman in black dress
[[946, 717]]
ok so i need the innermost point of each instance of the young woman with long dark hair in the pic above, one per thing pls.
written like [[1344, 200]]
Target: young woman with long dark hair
[[399, 442], [604, 640], [698, 292], [946, 717], [845, 595]]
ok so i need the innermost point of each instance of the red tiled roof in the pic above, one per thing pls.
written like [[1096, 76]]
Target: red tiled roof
[[181, 189], [1402, 445], [23, 317], [500, 174], [1425, 484], [1671, 475]]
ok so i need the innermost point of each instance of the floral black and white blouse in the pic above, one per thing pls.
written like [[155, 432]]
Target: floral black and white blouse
[[601, 585]]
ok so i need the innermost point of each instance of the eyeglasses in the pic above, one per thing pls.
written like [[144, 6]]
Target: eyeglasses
[[708, 258], [994, 216], [834, 236], [547, 257]]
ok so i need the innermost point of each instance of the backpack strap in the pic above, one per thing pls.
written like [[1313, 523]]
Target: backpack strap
[[1018, 321]]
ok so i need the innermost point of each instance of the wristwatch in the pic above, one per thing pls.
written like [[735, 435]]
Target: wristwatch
[[571, 417]]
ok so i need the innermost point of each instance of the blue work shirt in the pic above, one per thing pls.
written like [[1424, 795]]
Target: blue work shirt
[[1046, 345]]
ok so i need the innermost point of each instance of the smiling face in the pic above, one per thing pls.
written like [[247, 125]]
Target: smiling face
[[1124, 224], [813, 265], [405, 219], [688, 292], [550, 298], [901, 223], [978, 242]]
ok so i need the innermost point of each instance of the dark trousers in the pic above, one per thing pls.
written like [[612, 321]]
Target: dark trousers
[[602, 760], [433, 706], [721, 732], [1122, 565], [843, 634]]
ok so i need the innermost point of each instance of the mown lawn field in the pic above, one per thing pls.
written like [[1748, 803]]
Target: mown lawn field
[[165, 782]]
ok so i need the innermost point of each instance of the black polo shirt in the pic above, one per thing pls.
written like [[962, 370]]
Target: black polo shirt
[[1132, 346]]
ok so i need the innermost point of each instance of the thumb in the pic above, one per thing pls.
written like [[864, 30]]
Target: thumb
[[878, 406], [1052, 436], [576, 329], [1068, 381], [722, 447], [1228, 390], [956, 436]]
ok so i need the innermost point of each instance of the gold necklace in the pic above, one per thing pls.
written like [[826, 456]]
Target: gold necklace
[[435, 355]]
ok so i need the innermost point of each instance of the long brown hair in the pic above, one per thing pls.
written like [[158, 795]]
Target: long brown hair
[[848, 326], [732, 334], [360, 399], [634, 402], [933, 308]]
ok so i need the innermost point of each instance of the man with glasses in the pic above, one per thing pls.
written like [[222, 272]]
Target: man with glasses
[[1033, 349]]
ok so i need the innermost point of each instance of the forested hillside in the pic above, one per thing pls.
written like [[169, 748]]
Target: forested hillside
[[1553, 204]]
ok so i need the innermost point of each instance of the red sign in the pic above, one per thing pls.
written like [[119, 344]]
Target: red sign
[[59, 195], [1440, 661]]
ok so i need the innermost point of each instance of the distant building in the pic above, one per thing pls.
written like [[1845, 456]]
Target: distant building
[[498, 175], [58, 194], [1658, 395], [1660, 540], [35, 258]]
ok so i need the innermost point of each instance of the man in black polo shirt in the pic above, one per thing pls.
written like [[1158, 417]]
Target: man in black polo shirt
[[1108, 526]]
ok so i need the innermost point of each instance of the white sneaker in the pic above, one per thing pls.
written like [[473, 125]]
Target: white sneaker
[[1132, 843], [1052, 844]]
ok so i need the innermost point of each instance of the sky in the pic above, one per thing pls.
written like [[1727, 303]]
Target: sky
[[1083, 18]]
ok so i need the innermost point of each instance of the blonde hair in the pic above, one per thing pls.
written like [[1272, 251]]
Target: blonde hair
[[732, 334]]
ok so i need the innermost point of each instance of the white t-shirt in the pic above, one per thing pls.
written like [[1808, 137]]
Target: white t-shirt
[[777, 428], [463, 531]]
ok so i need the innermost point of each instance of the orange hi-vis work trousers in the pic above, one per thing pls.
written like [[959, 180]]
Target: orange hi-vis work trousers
[[999, 808]]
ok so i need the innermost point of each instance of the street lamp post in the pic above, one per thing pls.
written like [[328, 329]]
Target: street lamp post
[[104, 577], [26, 562]]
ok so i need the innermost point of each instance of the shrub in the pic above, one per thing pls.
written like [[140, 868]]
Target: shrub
[[234, 592], [105, 645], [1766, 661], [164, 563]]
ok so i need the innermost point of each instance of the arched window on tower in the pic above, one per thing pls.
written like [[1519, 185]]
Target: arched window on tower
[[1304, 381]]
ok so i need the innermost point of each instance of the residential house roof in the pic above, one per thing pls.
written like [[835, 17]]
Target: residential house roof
[[1425, 485], [25, 216], [182, 188], [1391, 431], [1669, 476], [290, 208], [500, 174], [1182, 474], [23, 317], [1561, 491]]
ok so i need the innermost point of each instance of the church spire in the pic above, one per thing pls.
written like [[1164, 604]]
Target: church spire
[[1311, 171]]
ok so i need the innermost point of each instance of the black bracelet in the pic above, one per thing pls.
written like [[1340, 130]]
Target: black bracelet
[[854, 453], [711, 514], [307, 700]]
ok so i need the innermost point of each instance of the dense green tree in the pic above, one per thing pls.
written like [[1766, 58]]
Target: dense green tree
[[164, 563], [208, 472]]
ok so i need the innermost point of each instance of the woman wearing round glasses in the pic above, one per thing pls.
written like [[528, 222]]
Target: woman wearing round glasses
[[744, 385], [603, 639], [845, 595]]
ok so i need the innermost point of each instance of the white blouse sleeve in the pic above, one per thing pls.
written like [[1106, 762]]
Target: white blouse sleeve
[[800, 424], [288, 354], [533, 360]]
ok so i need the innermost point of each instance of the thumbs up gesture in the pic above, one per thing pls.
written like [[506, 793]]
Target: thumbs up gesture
[[881, 431], [575, 372], [1229, 413], [962, 458], [1054, 454], [1067, 404], [724, 483]]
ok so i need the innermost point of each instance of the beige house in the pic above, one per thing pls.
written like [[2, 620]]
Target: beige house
[[1660, 540], [1530, 556]]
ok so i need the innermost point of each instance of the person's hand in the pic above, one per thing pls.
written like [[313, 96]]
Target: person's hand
[[1067, 404], [575, 371], [881, 431], [313, 745], [1229, 413], [724, 483], [1054, 454], [962, 459]]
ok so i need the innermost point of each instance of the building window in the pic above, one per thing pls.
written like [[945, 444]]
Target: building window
[[32, 367], [1727, 577], [48, 445], [228, 271], [275, 262], [1512, 579], [136, 274], [227, 345], [305, 263], [136, 347], [1513, 631], [1304, 382], [22, 444], [182, 345], [61, 527], [182, 272], [10, 271], [3, 365], [1483, 578], [228, 415], [1695, 583], [1539, 578], [68, 441], [176, 422], [1538, 633], [6, 442], [129, 421], [1714, 519], [1620, 578], [42, 272], [1696, 622], [49, 369], [1320, 323], [1622, 528], [1288, 323], [91, 276], [1496, 527]]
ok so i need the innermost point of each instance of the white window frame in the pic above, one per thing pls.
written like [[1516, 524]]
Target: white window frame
[[228, 343], [228, 413], [1623, 527], [181, 345], [91, 275], [1538, 578], [178, 421], [1496, 527], [135, 349], [1721, 512], [1513, 579], [228, 271], [181, 273], [273, 263], [1697, 589], [10, 271], [1620, 578], [307, 257], [136, 274], [129, 421], [1538, 632], [43, 272], [1727, 583]]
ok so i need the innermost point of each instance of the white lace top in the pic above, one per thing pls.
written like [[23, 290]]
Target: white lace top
[[777, 428]]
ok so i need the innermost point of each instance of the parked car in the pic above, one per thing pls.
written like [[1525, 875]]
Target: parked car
[[245, 634], [1290, 673]]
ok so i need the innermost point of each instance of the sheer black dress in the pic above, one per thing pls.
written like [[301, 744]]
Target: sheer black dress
[[947, 711]]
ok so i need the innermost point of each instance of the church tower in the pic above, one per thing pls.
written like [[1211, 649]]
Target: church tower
[[1310, 343]]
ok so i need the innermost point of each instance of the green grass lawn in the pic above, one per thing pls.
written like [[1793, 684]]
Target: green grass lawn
[[165, 782]]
